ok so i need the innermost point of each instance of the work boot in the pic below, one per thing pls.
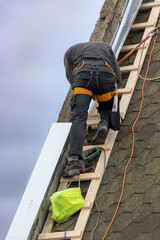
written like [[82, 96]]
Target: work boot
[[101, 133], [74, 167]]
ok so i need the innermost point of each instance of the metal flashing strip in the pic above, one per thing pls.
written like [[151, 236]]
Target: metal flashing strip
[[39, 181], [127, 18]]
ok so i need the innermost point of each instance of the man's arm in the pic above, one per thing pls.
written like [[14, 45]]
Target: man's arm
[[116, 67], [68, 67]]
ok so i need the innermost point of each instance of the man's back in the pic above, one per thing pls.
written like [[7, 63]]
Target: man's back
[[90, 51]]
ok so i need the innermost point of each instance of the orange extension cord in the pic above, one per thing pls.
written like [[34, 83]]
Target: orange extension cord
[[133, 141]]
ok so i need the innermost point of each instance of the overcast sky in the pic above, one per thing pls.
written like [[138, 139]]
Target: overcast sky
[[34, 37]]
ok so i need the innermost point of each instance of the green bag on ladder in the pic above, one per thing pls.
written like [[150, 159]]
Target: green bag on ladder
[[65, 203]]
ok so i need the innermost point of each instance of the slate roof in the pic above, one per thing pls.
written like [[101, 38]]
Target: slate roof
[[138, 217]]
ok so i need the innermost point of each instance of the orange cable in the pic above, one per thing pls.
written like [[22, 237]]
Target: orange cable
[[133, 135]]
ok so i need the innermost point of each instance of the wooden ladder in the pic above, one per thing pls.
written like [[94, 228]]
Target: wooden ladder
[[93, 119]]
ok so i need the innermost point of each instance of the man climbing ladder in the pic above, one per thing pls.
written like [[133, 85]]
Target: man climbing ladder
[[93, 71]]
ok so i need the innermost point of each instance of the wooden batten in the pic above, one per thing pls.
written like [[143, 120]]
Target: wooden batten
[[142, 25], [128, 48], [150, 5]]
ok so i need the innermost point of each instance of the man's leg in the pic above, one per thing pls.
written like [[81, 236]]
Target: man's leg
[[104, 110], [79, 107]]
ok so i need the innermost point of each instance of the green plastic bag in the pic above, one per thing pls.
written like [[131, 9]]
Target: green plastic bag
[[66, 203]]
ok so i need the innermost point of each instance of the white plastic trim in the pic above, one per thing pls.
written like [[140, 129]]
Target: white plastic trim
[[39, 182]]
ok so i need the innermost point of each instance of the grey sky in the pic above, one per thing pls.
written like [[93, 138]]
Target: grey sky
[[34, 37]]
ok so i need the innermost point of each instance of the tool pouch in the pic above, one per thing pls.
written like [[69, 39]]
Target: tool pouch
[[115, 121], [115, 114]]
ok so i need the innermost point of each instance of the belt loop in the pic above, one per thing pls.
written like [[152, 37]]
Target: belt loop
[[92, 70], [90, 77], [97, 73], [97, 70]]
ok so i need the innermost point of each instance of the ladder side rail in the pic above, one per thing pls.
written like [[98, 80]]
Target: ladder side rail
[[124, 103], [131, 83], [125, 100]]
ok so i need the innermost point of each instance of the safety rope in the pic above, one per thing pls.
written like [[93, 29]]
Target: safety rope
[[133, 136], [128, 54], [150, 34], [143, 78]]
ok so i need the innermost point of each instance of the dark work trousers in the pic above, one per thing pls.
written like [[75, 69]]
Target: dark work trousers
[[98, 83]]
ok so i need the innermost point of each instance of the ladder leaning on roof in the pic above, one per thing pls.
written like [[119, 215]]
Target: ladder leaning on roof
[[93, 119]]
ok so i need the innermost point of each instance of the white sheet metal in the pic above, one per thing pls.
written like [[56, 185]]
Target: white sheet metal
[[39, 181], [128, 17]]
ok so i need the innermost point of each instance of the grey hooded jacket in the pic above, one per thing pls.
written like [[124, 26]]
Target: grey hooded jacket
[[96, 51]]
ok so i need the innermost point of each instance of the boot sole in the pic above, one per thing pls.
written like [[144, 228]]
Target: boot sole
[[100, 137]]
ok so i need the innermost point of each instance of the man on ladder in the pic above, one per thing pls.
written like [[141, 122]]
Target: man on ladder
[[93, 71]]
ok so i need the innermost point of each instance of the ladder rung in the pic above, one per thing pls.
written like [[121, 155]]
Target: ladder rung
[[83, 177], [150, 5], [105, 146], [92, 117], [94, 122], [124, 90], [142, 25], [129, 68], [59, 235], [128, 48], [87, 205]]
